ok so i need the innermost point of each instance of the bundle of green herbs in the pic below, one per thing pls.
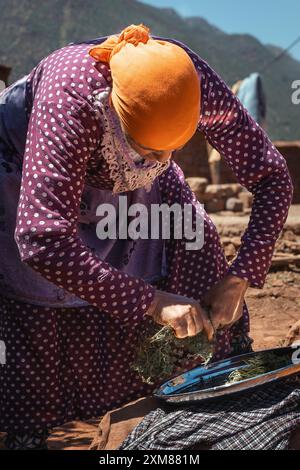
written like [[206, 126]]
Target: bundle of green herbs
[[258, 365], [160, 354]]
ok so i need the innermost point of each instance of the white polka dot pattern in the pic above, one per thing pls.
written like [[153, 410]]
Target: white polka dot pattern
[[65, 364], [75, 363], [257, 164], [64, 132]]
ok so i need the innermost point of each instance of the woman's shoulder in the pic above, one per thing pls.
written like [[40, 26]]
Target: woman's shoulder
[[69, 72]]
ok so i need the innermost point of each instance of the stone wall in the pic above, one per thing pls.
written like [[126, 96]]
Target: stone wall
[[220, 197], [193, 159], [291, 152]]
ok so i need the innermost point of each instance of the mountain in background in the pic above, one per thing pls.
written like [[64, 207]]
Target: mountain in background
[[31, 29]]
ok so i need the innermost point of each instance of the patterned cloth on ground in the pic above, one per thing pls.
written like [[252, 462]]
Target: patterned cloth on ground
[[259, 420]]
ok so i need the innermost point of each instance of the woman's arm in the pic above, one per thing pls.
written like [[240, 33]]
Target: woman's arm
[[257, 165], [60, 139]]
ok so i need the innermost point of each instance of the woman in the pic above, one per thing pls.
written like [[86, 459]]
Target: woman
[[100, 119]]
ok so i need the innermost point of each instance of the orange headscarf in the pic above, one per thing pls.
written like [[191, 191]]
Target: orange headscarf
[[156, 89]]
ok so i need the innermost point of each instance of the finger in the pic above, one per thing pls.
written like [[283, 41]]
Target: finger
[[216, 323], [198, 321], [237, 316], [208, 326], [219, 324], [180, 328], [191, 325], [216, 316]]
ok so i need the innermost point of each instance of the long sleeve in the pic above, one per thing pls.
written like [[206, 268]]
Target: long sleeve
[[61, 137], [257, 165]]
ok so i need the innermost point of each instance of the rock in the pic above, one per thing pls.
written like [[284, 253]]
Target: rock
[[284, 259], [277, 283], [230, 251], [235, 205], [293, 335], [216, 191], [215, 205], [246, 198], [289, 235], [261, 295], [291, 247], [198, 186], [206, 197], [236, 241], [226, 240]]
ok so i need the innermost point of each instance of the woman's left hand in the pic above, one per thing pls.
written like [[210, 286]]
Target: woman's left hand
[[225, 301]]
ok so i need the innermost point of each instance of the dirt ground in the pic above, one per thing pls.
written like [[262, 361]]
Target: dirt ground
[[273, 310]]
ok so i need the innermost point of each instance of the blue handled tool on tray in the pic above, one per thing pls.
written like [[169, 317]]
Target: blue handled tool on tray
[[231, 376]]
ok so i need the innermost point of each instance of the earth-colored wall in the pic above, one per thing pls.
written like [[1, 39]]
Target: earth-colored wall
[[291, 152], [193, 159]]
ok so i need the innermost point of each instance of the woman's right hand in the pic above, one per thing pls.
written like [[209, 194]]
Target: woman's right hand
[[184, 315]]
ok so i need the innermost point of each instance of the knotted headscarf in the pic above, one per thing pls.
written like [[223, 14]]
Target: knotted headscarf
[[156, 89]]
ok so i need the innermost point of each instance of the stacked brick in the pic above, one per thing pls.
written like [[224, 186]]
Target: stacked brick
[[221, 197]]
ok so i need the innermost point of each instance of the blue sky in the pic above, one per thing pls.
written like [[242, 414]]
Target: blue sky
[[271, 21]]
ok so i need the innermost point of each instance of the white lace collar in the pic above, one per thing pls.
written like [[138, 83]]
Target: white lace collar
[[128, 170]]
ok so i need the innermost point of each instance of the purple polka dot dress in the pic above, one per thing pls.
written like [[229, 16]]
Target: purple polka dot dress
[[70, 359]]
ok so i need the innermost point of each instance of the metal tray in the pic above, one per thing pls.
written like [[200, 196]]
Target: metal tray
[[210, 382]]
